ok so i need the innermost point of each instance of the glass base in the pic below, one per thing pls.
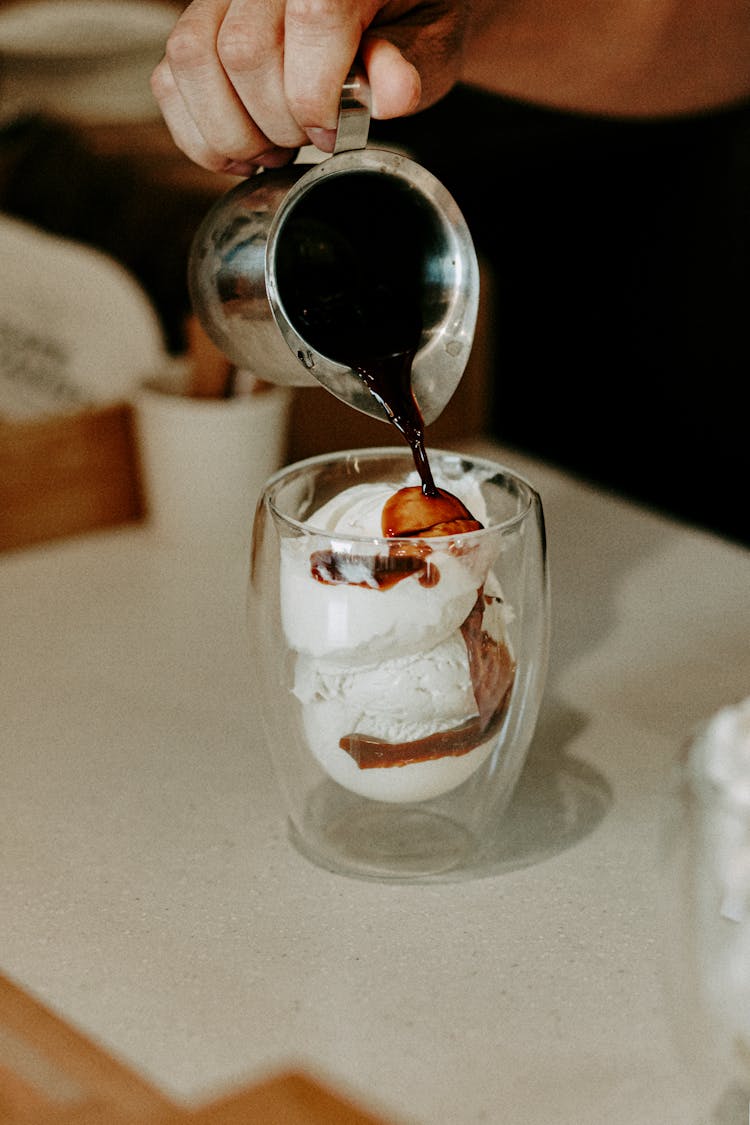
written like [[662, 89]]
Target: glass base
[[386, 842]]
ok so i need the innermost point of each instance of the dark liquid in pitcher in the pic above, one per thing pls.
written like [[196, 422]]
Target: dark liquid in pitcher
[[370, 318]]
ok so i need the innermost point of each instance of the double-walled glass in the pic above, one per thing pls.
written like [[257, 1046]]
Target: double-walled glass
[[400, 679]]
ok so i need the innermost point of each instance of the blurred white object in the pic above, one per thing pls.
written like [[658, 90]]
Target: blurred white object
[[720, 768], [76, 328], [205, 460], [723, 751], [82, 59], [708, 904]]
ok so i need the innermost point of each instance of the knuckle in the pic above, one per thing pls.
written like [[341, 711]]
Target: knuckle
[[187, 47], [317, 17], [237, 46], [161, 82]]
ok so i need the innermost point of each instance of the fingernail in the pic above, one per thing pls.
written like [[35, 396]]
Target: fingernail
[[324, 139]]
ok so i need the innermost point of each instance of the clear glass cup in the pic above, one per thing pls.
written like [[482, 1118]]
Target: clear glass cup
[[707, 914], [400, 679]]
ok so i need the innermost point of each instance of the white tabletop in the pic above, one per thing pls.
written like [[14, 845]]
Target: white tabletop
[[149, 894]]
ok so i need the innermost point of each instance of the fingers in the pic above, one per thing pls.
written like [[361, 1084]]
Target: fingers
[[321, 40], [411, 52], [251, 48], [211, 56]]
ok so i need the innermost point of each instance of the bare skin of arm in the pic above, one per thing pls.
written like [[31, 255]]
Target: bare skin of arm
[[616, 57]]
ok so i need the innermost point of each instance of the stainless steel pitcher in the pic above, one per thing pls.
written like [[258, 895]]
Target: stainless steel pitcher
[[371, 212]]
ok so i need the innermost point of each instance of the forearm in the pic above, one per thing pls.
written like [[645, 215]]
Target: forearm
[[627, 59]]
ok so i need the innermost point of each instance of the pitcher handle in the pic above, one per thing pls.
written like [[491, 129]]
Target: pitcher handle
[[354, 112]]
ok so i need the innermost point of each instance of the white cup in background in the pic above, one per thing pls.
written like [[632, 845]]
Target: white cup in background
[[205, 460]]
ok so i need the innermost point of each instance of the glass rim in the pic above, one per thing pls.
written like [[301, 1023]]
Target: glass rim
[[373, 453]]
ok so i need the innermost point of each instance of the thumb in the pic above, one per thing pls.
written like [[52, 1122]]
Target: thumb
[[395, 84], [411, 65]]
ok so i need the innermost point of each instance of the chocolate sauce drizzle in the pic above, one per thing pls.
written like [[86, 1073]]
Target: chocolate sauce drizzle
[[403, 560], [492, 674], [388, 379]]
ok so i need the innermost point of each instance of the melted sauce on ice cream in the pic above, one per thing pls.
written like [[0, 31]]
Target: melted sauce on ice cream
[[492, 673], [403, 560]]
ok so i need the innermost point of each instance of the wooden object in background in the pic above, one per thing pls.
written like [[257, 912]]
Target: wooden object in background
[[51, 1074], [290, 1098], [210, 373], [66, 475]]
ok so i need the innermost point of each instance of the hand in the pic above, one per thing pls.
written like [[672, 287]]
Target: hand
[[245, 83]]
